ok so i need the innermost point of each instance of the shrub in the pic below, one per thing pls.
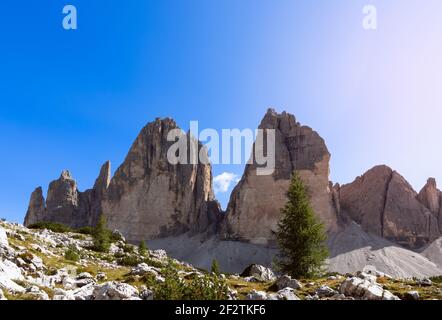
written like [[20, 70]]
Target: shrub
[[215, 267], [115, 236], [128, 248], [300, 236], [204, 287], [436, 279], [86, 230], [129, 261], [72, 254], [142, 249], [51, 271], [53, 226]]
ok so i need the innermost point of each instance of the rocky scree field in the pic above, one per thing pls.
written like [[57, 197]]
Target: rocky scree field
[[40, 264]]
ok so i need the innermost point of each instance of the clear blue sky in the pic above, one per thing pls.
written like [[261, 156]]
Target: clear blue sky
[[74, 99]]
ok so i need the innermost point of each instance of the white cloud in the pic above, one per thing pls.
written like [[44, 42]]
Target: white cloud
[[221, 183]]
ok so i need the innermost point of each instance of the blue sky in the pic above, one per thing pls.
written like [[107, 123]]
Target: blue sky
[[74, 99]]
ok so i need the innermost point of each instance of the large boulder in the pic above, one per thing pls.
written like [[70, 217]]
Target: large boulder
[[286, 281], [3, 238], [383, 203], [254, 208], [365, 290], [259, 272], [284, 294], [115, 291], [149, 197], [9, 273]]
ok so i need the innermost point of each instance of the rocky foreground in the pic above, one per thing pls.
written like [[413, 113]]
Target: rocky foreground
[[45, 265]]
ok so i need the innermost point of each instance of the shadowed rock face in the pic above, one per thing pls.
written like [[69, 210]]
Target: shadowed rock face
[[150, 198], [254, 208], [385, 204]]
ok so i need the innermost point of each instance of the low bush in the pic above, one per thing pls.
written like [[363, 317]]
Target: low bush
[[72, 254], [205, 287], [53, 226], [142, 249], [85, 230], [129, 261]]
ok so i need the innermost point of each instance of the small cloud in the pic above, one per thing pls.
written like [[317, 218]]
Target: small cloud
[[221, 183]]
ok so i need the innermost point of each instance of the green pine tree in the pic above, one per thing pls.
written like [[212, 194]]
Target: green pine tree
[[300, 236], [142, 249], [215, 267], [101, 236]]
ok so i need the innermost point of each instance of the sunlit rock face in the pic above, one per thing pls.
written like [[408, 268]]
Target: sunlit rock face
[[149, 197], [66, 204], [385, 204], [254, 208]]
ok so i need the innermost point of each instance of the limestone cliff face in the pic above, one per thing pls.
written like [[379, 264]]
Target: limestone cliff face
[[150, 198], [66, 204], [36, 209], [431, 197], [254, 208], [385, 204]]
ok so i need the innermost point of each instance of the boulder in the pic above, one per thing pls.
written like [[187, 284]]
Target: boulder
[[60, 295], [2, 295], [325, 291], [365, 290], [425, 282], [144, 268], [286, 281], [259, 272], [284, 294], [256, 295], [412, 295], [115, 291], [9, 272], [84, 275], [3, 238], [371, 270], [37, 293], [84, 293], [287, 294], [146, 294]]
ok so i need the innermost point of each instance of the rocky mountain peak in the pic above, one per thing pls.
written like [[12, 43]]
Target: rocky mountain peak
[[254, 208], [66, 175], [104, 178], [385, 204], [430, 196], [149, 197]]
